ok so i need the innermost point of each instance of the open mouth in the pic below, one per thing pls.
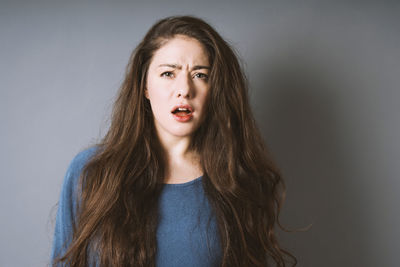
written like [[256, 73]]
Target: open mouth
[[181, 112]]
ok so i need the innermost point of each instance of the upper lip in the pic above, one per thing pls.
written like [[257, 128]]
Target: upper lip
[[188, 107]]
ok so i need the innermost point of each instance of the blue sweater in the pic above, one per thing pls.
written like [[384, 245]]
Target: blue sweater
[[187, 230]]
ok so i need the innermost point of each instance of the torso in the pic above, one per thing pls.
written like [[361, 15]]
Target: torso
[[187, 233]]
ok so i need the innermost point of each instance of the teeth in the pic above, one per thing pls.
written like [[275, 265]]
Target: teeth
[[181, 110]]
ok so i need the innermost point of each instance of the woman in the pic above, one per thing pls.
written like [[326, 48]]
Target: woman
[[182, 177]]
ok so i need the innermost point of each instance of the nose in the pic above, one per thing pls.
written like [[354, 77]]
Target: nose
[[184, 86]]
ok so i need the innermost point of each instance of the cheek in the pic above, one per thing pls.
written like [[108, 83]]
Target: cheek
[[157, 89], [203, 97], [158, 101], [159, 97], [153, 90]]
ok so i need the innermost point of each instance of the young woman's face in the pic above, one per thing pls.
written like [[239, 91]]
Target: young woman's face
[[177, 86]]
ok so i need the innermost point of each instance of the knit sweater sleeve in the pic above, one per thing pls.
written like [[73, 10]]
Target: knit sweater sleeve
[[66, 212]]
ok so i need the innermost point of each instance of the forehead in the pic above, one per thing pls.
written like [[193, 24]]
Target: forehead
[[181, 50]]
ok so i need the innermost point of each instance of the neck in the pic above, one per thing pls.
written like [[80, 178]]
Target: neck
[[182, 164], [175, 147]]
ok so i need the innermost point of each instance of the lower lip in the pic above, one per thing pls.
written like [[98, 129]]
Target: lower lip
[[185, 118]]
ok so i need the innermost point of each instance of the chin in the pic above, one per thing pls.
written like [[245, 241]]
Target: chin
[[177, 129], [182, 133], [183, 127]]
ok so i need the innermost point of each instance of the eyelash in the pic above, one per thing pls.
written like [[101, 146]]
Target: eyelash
[[200, 75], [167, 72], [203, 76]]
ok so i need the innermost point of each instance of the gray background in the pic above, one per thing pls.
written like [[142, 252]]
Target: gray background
[[324, 88]]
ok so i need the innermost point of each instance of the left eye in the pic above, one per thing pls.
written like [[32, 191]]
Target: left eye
[[201, 75]]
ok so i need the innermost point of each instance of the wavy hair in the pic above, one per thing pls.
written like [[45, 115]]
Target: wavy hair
[[117, 212]]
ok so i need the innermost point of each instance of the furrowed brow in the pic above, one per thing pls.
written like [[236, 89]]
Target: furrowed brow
[[199, 67], [176, 66]]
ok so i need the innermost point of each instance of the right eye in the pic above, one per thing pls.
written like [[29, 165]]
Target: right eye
[[167, 74]]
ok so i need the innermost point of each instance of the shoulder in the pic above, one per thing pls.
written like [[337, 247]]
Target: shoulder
[[75, 168], [80, 159], [66, 213], [70, 187]]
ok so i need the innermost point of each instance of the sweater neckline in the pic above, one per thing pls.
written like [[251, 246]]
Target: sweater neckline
[[194, 181]]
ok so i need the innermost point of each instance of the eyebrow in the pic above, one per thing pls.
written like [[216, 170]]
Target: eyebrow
[[176, 66]]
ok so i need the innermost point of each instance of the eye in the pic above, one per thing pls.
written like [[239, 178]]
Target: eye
[[167, 74], [201, 75]]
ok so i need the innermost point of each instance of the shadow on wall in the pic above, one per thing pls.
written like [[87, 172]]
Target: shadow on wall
[[303, 118]]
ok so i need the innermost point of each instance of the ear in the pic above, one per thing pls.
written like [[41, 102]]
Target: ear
[[146, 93]]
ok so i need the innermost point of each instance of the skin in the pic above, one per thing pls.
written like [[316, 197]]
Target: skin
[[178, 74]]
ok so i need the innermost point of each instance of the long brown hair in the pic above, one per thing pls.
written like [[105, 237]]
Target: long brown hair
[[118, 207]]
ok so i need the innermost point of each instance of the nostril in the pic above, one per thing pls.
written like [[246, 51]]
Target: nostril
[[181, 94]]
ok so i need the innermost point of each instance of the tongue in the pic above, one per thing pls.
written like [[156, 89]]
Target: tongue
[[181, 113]]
